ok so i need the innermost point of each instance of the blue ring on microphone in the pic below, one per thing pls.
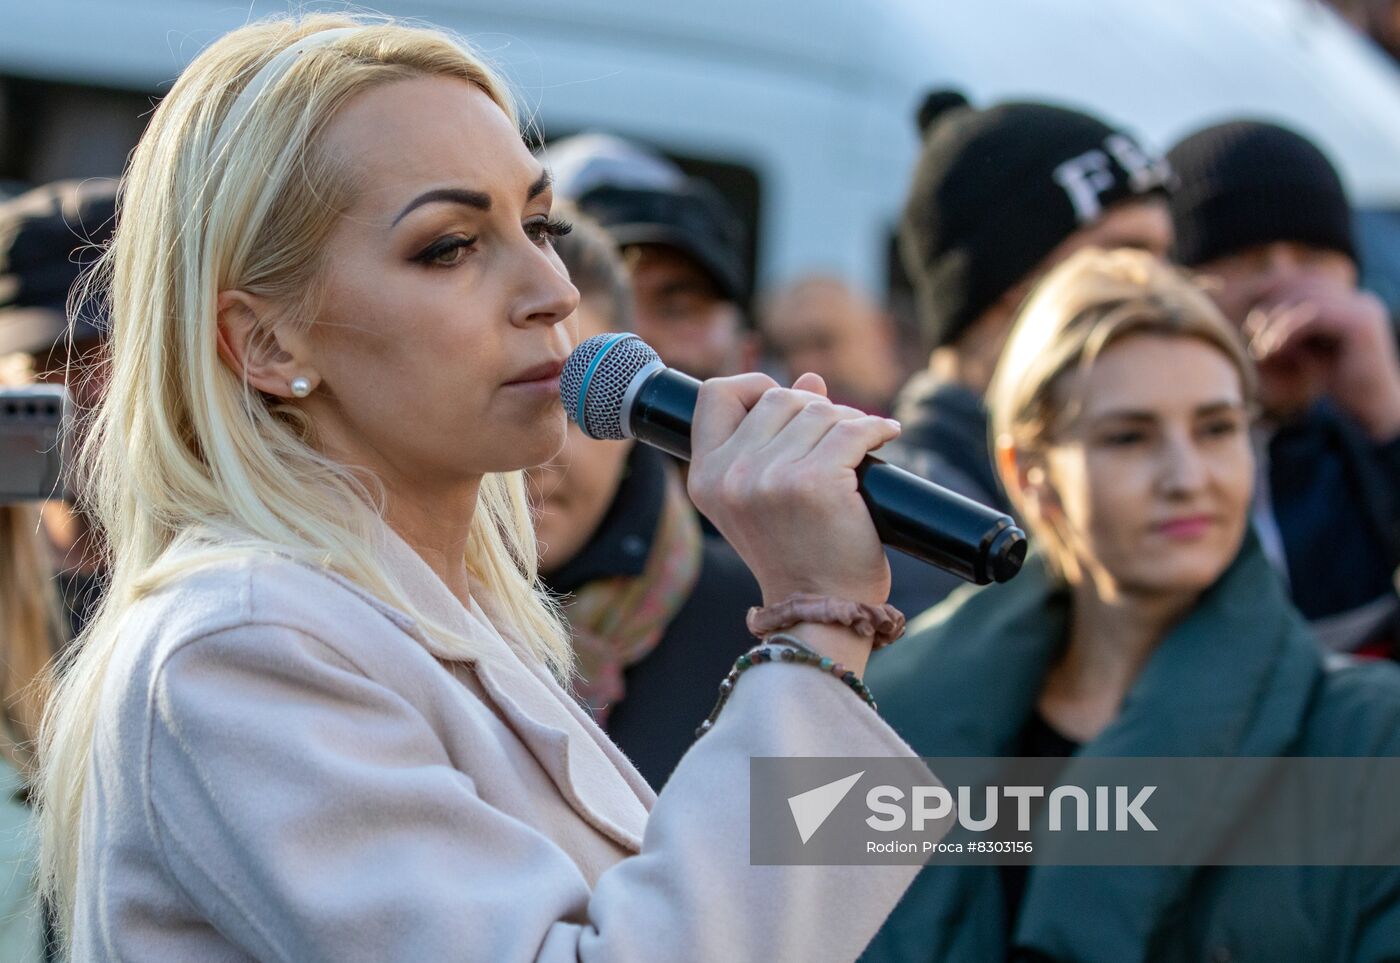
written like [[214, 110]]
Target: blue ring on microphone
[[615, 339]]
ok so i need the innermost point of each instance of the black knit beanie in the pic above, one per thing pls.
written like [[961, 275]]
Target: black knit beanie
[[1247, 183], [997, 190]]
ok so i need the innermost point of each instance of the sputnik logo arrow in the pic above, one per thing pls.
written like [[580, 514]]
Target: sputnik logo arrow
[[811, 808]]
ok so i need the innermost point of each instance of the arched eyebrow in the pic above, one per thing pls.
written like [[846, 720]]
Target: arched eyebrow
[[541, 184], [469, 198], [1201, 411]]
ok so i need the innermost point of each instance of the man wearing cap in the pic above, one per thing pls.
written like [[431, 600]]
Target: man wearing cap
[[683, 245], [999, 197], [1261, 213], [48, 236]]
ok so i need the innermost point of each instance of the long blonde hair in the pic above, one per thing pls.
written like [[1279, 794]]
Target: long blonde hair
[[180, 444], [1089, 302]]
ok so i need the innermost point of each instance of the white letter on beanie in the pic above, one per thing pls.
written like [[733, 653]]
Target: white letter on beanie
[[1084, 178]]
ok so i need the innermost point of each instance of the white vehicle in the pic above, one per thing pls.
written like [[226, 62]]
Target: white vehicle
[[801, 110]]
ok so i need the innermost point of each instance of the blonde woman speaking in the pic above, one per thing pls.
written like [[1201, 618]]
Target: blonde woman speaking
[[318, 716]]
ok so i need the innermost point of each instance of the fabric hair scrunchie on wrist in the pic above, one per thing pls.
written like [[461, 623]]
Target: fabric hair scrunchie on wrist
[[882, 624]]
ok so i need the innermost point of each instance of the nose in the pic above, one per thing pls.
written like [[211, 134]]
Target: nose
[[545, 295], [1182, 469]]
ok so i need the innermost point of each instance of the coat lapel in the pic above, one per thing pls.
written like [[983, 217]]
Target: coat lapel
[[1235, 678], [592, 775], [598, 781], [962, 684]]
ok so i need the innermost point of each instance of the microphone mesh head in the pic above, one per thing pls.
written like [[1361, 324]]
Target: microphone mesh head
[[596, 378]]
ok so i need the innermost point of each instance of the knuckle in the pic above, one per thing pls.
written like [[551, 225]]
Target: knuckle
[[802, 485], [766, 483], [776, 397], [732, 488]]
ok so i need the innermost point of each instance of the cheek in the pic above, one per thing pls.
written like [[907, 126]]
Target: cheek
[[597, 466], [721, 322], [586, 481], [401, 338], [1234, 473], [1112, 496]]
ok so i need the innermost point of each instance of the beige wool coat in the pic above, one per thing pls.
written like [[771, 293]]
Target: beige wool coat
[[286, 768]]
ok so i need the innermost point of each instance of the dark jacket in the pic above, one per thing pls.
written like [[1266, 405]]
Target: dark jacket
[[944, 439], [671, 691], [1335, 498], [1239, 676]]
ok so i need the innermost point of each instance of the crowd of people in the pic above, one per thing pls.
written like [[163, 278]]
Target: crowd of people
[[1161, 364]]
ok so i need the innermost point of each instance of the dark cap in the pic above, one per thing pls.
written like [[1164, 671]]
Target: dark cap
[[48, 237], [1246, 183], [691, 217], [996, 190], [641, 197]]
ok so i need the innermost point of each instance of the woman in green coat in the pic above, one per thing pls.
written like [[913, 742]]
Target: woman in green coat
[[1147, 623]]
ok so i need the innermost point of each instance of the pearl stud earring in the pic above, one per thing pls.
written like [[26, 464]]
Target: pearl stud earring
[[301, 387]]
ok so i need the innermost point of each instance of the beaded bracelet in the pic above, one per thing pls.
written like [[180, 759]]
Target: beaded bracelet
[[783, 648]]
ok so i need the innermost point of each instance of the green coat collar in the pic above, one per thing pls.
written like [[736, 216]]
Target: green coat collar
[[1235, 677]]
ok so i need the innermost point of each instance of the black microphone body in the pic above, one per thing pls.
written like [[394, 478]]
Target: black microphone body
[[632, 395]]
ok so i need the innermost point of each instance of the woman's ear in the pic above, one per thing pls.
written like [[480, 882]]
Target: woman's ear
[[1009, 465], [266, 354], [1024, 476]]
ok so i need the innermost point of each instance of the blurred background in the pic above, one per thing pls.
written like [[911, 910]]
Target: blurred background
[[800, 111]]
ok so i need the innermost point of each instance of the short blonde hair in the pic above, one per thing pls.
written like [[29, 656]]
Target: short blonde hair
[[180, 445], [1090, 301]]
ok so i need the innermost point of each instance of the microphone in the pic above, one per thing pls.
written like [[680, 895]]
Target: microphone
[[614, 386]]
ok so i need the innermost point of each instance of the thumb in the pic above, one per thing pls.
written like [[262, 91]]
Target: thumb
[[811, 382]]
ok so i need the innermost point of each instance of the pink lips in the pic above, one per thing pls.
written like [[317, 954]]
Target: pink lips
[[540, 376], [1186, 527]]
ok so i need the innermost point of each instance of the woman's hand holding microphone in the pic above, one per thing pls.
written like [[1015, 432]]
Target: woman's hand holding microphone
[[774, 469]]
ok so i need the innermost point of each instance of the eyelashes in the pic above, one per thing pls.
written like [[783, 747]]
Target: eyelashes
[[450, 251], [548, 230], [445, 251]]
